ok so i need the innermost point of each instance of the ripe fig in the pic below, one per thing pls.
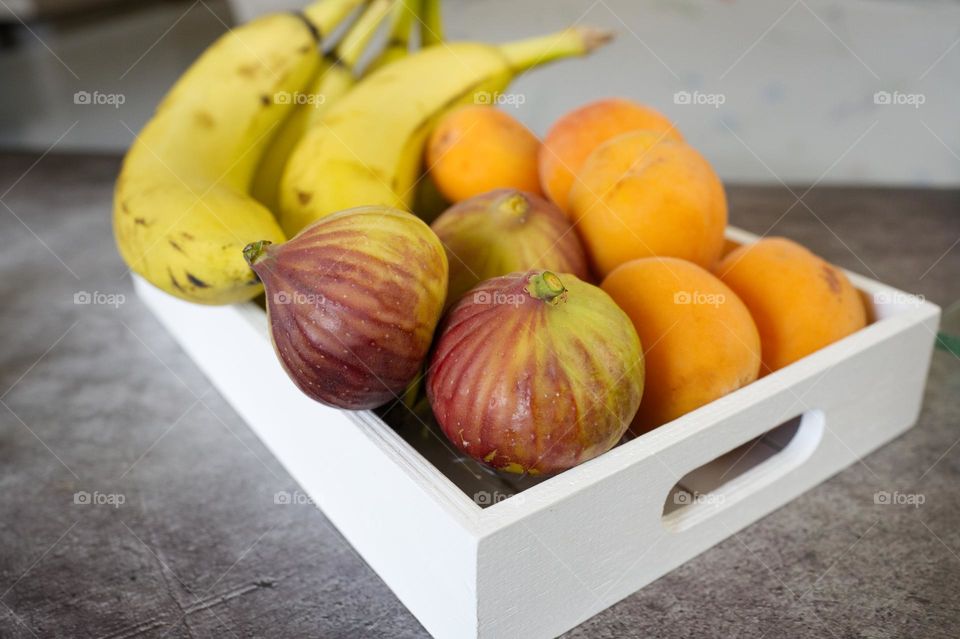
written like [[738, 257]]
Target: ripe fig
[[535, 373], [352, 302], [506, 231]]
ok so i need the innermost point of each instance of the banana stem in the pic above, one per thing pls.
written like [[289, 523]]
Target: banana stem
[[398, 39], [431, 29], [355, 42], [532, 52], [325, 15], [404, 13]]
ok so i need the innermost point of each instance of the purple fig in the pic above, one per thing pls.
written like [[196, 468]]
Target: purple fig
[[352, 302], [506, 231], [534, 372]]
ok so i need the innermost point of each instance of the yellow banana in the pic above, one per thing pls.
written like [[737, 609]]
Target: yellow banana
[[333, 78], [182, 212], [367, 148]]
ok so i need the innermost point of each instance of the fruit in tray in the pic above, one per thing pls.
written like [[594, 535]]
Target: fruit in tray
[[369, 147], [352, 303], [572, 139], [533, 369], [506, 231], [699, 339], [800, 302], [535, 372], [476, 149], [640, 195]]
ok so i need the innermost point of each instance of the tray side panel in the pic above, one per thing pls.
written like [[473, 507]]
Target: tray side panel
[[426, 556], [553, 568]]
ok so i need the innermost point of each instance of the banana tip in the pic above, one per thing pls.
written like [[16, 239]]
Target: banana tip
[[595, 37]]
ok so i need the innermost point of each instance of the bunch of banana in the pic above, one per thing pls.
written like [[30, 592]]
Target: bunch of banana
[[367, 148], [332, 79], [182, 209]]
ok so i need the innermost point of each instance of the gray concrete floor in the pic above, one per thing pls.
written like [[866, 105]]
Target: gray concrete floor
[[136, 53]]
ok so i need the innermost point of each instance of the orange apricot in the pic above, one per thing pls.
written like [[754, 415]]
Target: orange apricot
[[574, 136], [799, 302], [699, 341], [476, 149], [639, 195]]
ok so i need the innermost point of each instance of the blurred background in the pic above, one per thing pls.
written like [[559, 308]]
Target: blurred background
[[799, 92]]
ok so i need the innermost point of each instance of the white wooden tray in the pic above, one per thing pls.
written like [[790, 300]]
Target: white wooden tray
[[473, 554]]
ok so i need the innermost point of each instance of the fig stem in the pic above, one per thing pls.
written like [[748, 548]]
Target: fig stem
[[254, 251], [546, 286], [515, 204]]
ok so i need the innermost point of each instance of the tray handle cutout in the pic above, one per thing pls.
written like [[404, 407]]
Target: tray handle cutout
[[729, 478]]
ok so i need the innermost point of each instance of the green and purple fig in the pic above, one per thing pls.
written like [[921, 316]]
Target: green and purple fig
[[352, 303], [534, 372], [506, 231]]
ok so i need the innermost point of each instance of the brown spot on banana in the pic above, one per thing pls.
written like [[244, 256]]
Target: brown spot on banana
[[196, 281], [204, 119], [303, 197], [176, 284], [248, 70]]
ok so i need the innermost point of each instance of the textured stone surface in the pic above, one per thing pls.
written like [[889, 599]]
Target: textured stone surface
[[99, 398]]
